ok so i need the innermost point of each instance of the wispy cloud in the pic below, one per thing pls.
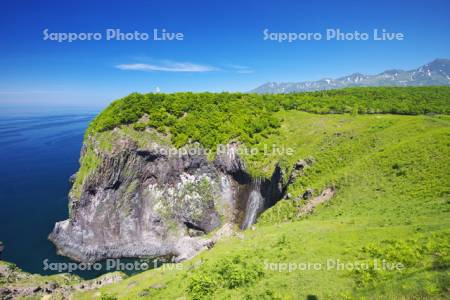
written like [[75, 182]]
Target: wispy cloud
[[150, 65], [168, 66], [241, 69]]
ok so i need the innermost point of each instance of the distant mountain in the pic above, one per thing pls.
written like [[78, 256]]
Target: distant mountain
[[435, 73]]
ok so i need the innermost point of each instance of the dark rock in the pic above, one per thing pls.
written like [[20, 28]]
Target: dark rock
[[148, 154], [304, 163], [308, 194], [193, 232], [53, 286], [310, 160], [228, 161], [4, 292], [2, 247], [300, 164]]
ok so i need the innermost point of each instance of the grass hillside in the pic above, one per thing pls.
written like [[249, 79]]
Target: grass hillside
[[392, 202]]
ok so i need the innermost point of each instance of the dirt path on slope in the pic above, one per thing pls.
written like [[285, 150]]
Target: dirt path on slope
[[309, 207]]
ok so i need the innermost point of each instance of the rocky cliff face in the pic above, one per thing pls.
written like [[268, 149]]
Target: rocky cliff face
[[149, 200]]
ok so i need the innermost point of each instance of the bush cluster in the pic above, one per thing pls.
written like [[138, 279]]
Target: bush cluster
[[229, 273]]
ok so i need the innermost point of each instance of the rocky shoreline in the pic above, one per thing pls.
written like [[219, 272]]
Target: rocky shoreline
[[17, 284]]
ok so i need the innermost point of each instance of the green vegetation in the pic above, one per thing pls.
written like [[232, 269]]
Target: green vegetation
[[227, 273], [209, 119], [427, 253], [213, 119], [391, 174], [89, 161]]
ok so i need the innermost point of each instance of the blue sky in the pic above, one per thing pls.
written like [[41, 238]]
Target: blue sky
[[223, 47]]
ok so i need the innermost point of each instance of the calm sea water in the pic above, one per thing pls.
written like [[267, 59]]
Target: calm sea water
[[38, 153]]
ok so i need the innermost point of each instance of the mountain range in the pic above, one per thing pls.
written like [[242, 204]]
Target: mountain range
[[436, 72]]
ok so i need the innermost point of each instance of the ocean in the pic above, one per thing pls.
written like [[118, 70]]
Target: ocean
[[38, 153]]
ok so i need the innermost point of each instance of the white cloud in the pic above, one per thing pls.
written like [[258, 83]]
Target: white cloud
[[241, 69], [168, 66]]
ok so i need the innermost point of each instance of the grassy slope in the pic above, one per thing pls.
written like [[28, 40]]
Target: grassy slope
[[392, 179]]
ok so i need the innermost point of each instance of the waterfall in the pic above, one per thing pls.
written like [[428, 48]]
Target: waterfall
[[255, 204], [251, 196], [227, 191]]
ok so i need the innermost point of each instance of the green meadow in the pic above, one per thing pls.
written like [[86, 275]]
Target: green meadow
[[383, 235]]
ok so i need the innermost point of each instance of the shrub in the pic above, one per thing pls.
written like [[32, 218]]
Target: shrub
[[201, 285], [230, 273], [139, 126], [106, 296]]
